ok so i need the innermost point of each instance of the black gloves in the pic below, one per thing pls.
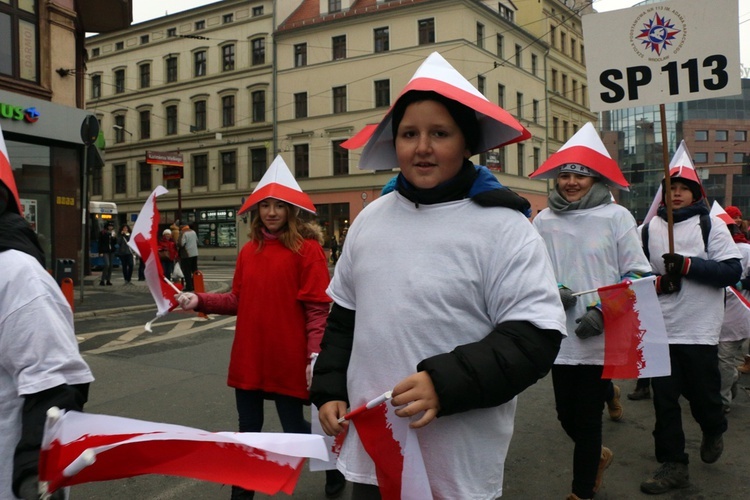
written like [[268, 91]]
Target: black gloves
[[29, 490], [668, 283], [590, 324], [676, 263], [566, 296]]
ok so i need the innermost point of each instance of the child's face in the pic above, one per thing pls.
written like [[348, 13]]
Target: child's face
[[573, 187], [682, 196], [273, 214], [430, 146]]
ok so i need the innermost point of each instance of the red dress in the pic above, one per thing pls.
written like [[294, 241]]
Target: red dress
[[270, 287]]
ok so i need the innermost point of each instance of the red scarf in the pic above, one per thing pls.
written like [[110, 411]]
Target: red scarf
[[739, 237]]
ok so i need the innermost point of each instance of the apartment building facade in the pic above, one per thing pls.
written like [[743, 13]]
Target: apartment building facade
[[234, 83]]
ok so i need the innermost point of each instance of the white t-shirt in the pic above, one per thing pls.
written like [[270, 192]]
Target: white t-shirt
[[589, 249], [695, 313], [38, 349], [736, 325], [424, 281]]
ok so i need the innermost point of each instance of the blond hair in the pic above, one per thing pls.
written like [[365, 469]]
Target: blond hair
[[292, 234]]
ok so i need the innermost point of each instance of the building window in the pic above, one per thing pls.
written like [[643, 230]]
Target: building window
[[145, 182], [554, 80], [740, 135], [334, 6], [119, 129], [565, 130], [96, 182], [518, 56], [339, 99], [534, 64], [259, 106], [535, 111], [144, 39], [145, 124], [573, 48], [555, 128], [300, 55], [227, 18], [722, 135], [200, 170], [171, 69], [199, 110], [480, 35], [506, 12], [227, 57], [574, 95], [229, 167], [564, 88], [121, 180], [381, 40], [145, 72], [200, 25], [199, 63], [537, 158], [501, 95], [95, 52], [553, 36], [302, 161], [720, 157], [583, 96], [339, 47], [382, 93], [519, 104], [258, 158], [738, 158], [259, 51], [96, 86], [119, 81], [700, 157], [701, 135], [171, 120], [258, 11], [521, 158], [426, 28], [481, 81], [171, 32], [227, 111], [500, 46], [300, 105], [119, 45], [583, 56], [562, 42], [340, 159]]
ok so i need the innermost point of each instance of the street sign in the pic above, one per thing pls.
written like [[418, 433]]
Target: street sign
[[171, 162], [89, 130], [661, 53]]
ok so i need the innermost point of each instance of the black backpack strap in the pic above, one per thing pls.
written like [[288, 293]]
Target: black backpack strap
[[644, 240], [705, 230]]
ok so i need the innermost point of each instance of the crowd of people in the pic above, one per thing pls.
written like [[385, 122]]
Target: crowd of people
[[462, 302]]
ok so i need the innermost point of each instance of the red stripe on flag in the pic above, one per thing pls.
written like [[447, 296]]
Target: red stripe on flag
[[623, 351], [376, 434]]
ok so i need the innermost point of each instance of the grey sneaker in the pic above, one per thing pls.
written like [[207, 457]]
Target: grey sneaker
[[671, 475], [711, 447]]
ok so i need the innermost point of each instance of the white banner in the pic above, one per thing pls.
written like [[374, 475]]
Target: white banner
[[662, 53]]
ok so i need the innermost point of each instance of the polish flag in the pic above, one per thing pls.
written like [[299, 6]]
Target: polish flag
[[635, 338], [6, 173], [144, 242], [680, 166], [83, 447], [718, 211], [394, 448]]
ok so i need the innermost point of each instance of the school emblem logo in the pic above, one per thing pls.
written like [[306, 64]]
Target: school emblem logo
[[657, 33]]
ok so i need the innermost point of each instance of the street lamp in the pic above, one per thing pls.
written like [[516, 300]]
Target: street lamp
[[119, 129]]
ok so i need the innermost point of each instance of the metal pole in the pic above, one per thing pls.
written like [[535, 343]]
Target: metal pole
[[84, 217]]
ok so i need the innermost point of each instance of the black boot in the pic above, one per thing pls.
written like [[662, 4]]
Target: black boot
[[335, 483]]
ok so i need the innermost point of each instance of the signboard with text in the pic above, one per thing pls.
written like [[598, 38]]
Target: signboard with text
[[662, 53], [172, 162]]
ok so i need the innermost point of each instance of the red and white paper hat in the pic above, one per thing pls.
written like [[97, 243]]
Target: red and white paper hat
[[680, 166], [584, 148], [6, 173], [279, 183], [497, 126], [718, 211]]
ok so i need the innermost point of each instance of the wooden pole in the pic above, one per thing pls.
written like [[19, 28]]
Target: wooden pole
[[667, 180]]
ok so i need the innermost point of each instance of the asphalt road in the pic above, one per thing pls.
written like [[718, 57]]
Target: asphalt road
[[178, 375]]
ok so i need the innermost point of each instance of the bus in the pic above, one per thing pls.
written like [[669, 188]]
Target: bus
[[100, 214]]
